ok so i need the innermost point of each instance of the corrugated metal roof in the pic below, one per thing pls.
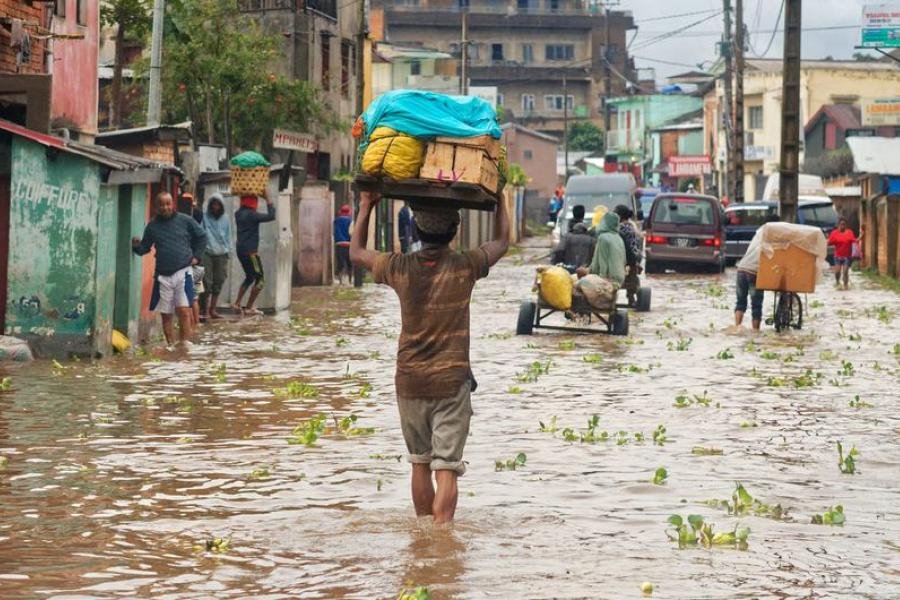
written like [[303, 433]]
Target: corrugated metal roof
[[99, 154], [875, 155]]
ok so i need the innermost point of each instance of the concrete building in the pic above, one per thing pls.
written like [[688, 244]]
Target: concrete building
[[541, 54], [68, 212], [48, 65], [319, 47], [822, 82], [677, 153], [535, 152], [414, 68], [629, 142]]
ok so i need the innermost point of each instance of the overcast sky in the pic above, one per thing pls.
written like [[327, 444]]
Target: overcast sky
[[698, 43]]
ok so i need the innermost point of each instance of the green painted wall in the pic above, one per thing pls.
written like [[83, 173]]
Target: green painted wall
[[132, 202], [53, 248], [107, 219], [691, 144]]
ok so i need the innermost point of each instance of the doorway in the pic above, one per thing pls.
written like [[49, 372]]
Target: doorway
[[122, 307], [4, 244]]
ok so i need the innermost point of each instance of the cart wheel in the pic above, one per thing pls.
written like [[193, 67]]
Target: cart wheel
[[527, 312], [620, 323], [643, 299]]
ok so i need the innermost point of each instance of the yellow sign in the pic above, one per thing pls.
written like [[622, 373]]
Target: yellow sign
[[883, 111]]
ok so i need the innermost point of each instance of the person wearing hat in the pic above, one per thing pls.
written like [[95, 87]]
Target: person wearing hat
[[433, 377], [247, 221], [342, 243]]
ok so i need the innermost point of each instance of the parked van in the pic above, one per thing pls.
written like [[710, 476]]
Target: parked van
[[685, 230], [810, 186], [593, 191]]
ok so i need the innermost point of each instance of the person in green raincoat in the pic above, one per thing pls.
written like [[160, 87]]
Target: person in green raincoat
[[609, 255]]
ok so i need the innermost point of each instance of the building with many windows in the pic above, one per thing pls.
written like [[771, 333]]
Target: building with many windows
[[546, 57]]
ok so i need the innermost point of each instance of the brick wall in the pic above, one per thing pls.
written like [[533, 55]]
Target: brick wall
[[31, 14]]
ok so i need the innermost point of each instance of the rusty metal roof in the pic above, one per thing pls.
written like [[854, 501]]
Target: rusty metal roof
[[113, 159]]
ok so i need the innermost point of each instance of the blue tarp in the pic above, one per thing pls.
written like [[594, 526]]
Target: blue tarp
[[428, 115]]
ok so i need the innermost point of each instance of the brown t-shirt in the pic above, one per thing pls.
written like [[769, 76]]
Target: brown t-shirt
[[434, 287]]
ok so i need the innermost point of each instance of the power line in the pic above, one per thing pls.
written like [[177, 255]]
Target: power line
[[774, 33], [699, 34], [668, 17], [675, 32], [665, 62]]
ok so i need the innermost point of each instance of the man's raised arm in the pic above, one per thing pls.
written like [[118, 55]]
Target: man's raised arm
[[497, 247], [359, 254]]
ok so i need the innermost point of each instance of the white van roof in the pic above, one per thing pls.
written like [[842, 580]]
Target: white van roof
[[606, 183], [810, 185]]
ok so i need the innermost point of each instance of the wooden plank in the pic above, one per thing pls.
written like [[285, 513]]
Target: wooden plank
[[439, 160], [485, 142], [459, 195]]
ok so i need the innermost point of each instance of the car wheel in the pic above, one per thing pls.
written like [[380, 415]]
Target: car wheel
[[525, 325]]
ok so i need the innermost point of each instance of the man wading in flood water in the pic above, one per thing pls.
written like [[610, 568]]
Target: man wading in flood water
[[433, 379], [180, 243]]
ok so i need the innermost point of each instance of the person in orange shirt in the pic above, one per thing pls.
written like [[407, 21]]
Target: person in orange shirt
[[842, 239]]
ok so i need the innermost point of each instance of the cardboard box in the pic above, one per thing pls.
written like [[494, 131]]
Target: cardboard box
[[452, 162], [789, 270]]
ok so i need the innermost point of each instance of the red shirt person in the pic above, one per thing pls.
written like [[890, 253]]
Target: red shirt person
[[842, 239]]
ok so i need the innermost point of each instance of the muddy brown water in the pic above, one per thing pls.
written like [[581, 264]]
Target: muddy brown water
[[119, 472]]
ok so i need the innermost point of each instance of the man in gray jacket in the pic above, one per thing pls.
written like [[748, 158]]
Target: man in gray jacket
[[180, 243]]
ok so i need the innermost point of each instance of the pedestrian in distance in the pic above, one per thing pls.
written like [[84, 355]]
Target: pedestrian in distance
[[433, 378], [577, 218], [342, 244], [179, 242], [247, 220], [218, 250], [745, 282], [576, 249], [842, 239], [633, 254]]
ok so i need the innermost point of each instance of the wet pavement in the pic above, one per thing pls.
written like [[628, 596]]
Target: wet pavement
[[120, 475]]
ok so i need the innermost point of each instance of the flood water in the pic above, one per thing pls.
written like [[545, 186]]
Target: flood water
[[119, 472]]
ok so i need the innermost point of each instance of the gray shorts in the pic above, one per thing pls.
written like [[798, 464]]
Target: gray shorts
[[435, 431]]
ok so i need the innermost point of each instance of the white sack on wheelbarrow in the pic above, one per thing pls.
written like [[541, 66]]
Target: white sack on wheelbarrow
[[599, 292], [778, 236]]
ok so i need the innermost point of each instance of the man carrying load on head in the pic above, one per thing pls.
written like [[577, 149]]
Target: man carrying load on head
[[433, 379], [247, 221]]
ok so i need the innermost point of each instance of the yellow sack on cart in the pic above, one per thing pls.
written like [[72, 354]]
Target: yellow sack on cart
[[556, 287], [393, 154]]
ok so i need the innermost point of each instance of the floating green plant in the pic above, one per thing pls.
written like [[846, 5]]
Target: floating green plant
[[847, 463], [347, 426], [593, 358], [725, 354], [511, 464], [857, 403], [5, 384], [297, 389], [680, 345], [534, 371], [660, 476], [706, 451], [308, 431], [832, 516], [693, 530]]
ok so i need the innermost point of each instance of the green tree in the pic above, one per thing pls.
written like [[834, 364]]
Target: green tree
[[863, 57], [218, 72], [585, 136], [132, 20]]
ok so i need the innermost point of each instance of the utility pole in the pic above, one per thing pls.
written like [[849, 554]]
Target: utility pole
[[739, 102], [566, 126], [154, 104], [727, 111], [607, 72], [361, 37], [789, 181], [464, 49]]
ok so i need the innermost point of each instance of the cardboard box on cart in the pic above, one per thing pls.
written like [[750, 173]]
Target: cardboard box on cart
[[791, 269]]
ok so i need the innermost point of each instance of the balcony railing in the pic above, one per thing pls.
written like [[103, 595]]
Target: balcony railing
[[503, 7]]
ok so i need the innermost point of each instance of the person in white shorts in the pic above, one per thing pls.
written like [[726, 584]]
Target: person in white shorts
[[179, 243]]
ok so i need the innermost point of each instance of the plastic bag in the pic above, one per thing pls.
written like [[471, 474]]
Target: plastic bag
[[856, 251], [599, 292], [249, 159], [429, 115], [556, 287], [393, 154]]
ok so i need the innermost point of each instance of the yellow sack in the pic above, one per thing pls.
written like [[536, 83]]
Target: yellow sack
[[119, 341], [599, 213], [556, 287], [393, 154]]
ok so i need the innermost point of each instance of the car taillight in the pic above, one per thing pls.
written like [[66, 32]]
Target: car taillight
[[657, 239], [714, 242]]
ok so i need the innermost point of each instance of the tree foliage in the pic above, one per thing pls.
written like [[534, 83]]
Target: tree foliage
[[132, 20], [830, 164], [585, 136], [219, 71]]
